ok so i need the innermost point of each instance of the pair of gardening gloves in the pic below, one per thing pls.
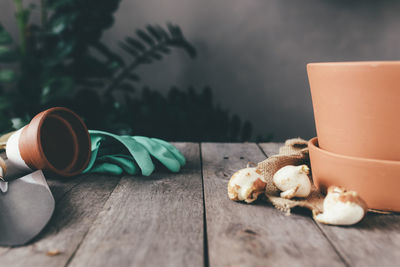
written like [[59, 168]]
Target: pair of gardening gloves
[[115, 155]]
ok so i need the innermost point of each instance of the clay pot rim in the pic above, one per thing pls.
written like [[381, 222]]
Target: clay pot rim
[[46, 114], [355, 63], [64, 172], [313, 144]]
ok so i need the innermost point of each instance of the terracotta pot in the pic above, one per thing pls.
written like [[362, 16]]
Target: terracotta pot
[[357, 107], [377, 181], [56, 140]]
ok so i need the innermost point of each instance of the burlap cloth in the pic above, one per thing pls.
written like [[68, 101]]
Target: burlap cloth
[[294, 152]]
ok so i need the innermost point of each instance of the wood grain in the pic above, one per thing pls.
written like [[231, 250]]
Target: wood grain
[[256, 234], [270, 149], [150, 221], [59, 186], [375, 241], [77, 204]]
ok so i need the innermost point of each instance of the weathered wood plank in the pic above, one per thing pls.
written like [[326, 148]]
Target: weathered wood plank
[[256, 234], [78, 201], [373, 242], [270, 149], [60, 186], [150, 221]]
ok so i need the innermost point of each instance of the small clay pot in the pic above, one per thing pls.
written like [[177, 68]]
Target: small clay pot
[[56, 140], [376, 181], [357, 107]]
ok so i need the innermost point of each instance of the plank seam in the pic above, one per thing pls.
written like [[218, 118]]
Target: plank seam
[[90, 228], [205, 237], [69, 190], [341, 257]]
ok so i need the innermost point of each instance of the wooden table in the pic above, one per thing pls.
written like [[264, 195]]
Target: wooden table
[[186, 219]]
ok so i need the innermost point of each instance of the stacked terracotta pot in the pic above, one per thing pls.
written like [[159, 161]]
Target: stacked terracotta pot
[[357, 116]]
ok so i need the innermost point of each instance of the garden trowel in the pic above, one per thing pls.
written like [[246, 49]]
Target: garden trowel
[[26, 206]]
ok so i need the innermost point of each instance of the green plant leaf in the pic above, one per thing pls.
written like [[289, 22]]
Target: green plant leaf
[[175, 30], [155, 32], [127, 87], [110, 55], [57, 4], [57, 88], [7, 76], [179, 40], [156, 56], [5, 37], [5, 123], [165, 49], [145, 37], [7, 55], [154, 50], [92, 83], [135, 43], [133, 77], [60, 52], [62, 22], [5, 103], [186, 46], [114, 65], [32, 6], [132, 51]]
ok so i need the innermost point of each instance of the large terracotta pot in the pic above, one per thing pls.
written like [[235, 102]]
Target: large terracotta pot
[[357, 107], [56, 140], [377, 181]]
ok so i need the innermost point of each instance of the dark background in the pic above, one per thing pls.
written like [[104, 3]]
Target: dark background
[[253, 53]]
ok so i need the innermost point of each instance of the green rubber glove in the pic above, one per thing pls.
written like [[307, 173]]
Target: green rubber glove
[[114, 154]]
